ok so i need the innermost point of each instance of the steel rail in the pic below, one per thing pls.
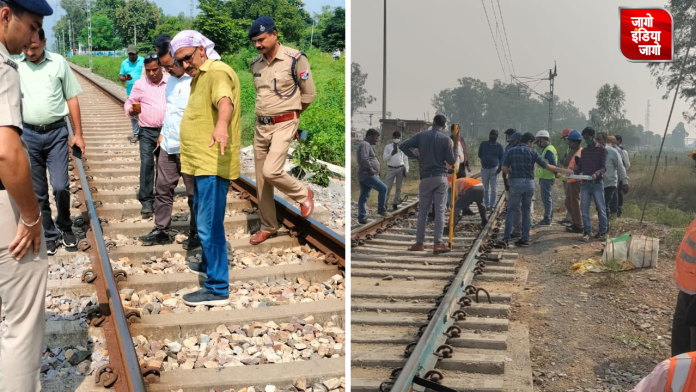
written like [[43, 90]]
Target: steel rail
[[424, 357], [119, 341], [383, 223], [314, 232]]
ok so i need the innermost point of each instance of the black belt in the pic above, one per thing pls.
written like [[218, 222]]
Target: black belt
[[396, 167], [433, 175], [154, 129], [46, 128]]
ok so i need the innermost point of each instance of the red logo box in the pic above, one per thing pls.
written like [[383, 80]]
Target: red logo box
[[645, 35]]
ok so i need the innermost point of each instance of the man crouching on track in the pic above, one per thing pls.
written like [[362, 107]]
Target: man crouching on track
[[210, 139], [147, 101], [469, 190], [518, 164], [285, 89], [169, 162], [434, 153], [23, 259], [50, 92]]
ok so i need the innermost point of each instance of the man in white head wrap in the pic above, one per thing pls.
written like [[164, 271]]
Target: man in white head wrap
[[210, 138]]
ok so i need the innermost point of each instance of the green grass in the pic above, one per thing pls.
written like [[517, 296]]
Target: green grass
[[325, 118]]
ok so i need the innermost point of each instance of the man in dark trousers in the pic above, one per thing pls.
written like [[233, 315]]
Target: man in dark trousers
[[368, 175], [491, 155], [434, 153]]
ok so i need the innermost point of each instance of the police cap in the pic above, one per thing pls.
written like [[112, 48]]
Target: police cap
[[38, 7], [260, 26]]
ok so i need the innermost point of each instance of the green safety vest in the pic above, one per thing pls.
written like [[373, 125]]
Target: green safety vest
[[543, 173]]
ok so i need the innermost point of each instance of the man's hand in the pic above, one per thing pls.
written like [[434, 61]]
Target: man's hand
[[122, 78], [78, 141], [26, 238], [625, 188], [159, 139], [373, 172], [594, 177], [220, 136], [129, 77], [132, 112]]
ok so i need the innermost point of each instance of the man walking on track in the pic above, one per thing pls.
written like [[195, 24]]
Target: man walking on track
[[284, 89], [210, 140], [50, 92], [397, 168], [491, 155], [368, 176], [147, 101], [177, 95], [23, 259], [434, 153]]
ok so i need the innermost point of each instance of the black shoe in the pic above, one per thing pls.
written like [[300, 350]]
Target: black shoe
[[601, 237], [362, 221], [192, 242], [484, 222], [395, 207], [522, 243], [155, 237], [513, 235], [574, 229], [68, 239], [51, 248], [203, 297], [146, 211]]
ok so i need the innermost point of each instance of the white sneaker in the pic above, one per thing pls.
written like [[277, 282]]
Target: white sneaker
[[586, 237]]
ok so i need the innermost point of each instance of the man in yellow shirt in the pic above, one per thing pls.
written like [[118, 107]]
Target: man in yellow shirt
[[210, 139]]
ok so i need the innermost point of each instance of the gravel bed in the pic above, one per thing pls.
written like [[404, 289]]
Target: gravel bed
[[240, 345], [330, 385], [252, 294], [61, 362]]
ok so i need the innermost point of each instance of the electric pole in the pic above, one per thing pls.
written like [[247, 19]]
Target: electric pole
[[69, 36], [552, 76], [384, 72], [64, 47], [193, 2], [647, 122], [89, 31], [135, 35]]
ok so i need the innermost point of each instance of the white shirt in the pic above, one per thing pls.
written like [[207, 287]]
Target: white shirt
[[396, 160], [177, 93]]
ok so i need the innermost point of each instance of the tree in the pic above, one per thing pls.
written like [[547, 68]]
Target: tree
[[215, 22], [609, 114], [679, 135], [334, 34], [289, 17], [171, 25], [76, 13], [103, 36], [139, 15], [359, 97], [667, 74]]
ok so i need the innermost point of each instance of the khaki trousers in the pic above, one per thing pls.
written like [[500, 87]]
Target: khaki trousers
[[22, 291], [572, 202], [271, 144]]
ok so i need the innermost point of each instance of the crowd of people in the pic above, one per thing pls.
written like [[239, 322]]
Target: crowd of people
[[184, 107]]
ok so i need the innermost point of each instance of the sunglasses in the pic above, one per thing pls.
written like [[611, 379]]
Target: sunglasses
[[150, 58], [186, 59]]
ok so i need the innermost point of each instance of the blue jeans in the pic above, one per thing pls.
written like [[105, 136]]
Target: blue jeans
[[489, 178], [366, 187], [49, 152], [546, 190], [210, 201], [521, 192], [588, 192], [135, 126]]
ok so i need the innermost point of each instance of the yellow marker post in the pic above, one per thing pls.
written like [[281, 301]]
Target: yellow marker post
[[455, 137]]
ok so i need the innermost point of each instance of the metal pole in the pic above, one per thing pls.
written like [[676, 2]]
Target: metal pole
[[89, 31], [69, 36], [552, 76], [311, 38], [135, 35], [384, 72]]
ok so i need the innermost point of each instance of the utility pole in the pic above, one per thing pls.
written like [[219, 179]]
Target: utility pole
[[384, 71], [647, 121], [311, 38], [69, 36], [552, 76], [63, 48], [193, 2], [135, 35], [89, 31]]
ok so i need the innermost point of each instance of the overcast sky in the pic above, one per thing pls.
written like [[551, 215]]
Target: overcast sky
[[174, 7], [433, 43]]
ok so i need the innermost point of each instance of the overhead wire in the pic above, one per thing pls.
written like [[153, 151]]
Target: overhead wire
[[506, 39], [494, 40], [498, 34]]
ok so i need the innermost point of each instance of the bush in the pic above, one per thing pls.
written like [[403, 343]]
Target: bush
[[325, 118]]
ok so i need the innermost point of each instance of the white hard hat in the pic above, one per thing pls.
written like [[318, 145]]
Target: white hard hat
[[543, 133]]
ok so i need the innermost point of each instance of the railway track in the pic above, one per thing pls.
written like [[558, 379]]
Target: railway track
[[439, 321], [114, 312]]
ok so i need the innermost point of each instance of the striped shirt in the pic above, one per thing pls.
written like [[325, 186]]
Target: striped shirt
[[153, 102]]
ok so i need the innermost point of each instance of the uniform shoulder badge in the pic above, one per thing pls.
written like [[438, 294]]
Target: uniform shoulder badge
[[11, 63], [255, 59]]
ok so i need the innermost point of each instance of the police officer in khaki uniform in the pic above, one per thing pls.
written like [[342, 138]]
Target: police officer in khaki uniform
[[23, 259], [284, 89]]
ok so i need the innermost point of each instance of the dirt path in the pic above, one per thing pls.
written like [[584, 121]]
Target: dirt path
[[597, 332]]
